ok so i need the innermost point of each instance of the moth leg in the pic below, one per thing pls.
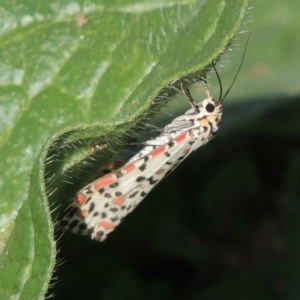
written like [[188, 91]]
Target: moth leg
[[188, 96]]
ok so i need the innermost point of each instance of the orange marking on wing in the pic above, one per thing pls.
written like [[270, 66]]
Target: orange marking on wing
[[82, 213], [158, 151], [104, 182], [181, 138], [129, 168], [119, 201], [175, 165], [80, 199], [107, 226], [186, 151], [159, 171]]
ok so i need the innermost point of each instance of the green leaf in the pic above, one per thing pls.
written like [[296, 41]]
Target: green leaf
[[64, 80]]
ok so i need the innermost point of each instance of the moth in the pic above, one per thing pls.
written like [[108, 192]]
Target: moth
[[99, 207]]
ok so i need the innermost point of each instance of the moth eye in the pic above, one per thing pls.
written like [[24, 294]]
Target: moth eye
[[210, 107]]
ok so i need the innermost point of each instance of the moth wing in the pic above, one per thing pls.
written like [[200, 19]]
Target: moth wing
[[100, 206]]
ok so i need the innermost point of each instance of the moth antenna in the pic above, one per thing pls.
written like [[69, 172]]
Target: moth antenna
[[219, 80], [235, 77]]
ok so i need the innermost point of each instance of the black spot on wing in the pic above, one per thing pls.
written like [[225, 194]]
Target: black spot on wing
[[74, 224], [113, 209], [88, 190], [99, 235], [143, 167], [167, 154], [140, 179], [70, 211], [82, 226], [92, 206], [118, 173], [89, 198], [167, 173], [114, 185], [152, 181], [133, 194]]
